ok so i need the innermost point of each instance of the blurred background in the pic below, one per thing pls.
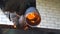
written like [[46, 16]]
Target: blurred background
[[50, 15]]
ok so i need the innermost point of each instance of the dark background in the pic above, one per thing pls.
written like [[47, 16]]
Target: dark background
[[31, 31]]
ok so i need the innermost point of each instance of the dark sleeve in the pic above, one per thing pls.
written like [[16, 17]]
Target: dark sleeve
[[11, 5]]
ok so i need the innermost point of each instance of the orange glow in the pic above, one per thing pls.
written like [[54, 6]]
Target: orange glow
[[31, 16], [33, 22], [14, 25], [26, 28]]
